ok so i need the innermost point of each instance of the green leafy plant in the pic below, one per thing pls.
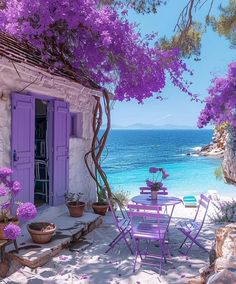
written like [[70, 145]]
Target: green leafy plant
[[121, 197], [218, 173], [225, 211]]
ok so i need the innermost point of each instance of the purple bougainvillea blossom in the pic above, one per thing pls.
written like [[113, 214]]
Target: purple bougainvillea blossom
[[26, 211], [5, 172], [5, 206], [15, 187], [12, 231], [3, 192], [220, 105], [99, 40]]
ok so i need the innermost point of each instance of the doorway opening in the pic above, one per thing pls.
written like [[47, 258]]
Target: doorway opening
[[41, 175]]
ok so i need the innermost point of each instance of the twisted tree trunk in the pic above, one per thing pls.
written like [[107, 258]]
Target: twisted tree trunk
[[98, 143]]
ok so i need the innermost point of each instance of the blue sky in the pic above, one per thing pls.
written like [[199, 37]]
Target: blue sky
[[177, 109]]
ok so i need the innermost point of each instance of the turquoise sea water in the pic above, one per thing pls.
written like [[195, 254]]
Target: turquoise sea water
[[130, 153]]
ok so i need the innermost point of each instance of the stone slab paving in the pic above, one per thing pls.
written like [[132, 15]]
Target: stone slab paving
[[68, 230]]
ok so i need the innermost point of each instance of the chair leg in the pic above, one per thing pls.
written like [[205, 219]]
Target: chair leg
[[122, 235], [16, 247], [114, 239], [183, 242], [136, 241]]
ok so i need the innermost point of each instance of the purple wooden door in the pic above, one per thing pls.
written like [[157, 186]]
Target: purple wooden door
[[22, 150], [60, 166]]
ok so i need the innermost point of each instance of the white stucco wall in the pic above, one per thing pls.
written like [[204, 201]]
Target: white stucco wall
[[81, 100]]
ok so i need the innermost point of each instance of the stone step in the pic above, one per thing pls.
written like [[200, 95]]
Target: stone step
[[68, 230]]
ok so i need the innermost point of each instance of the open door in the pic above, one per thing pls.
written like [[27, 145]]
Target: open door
[[22, 150], [60, 153]]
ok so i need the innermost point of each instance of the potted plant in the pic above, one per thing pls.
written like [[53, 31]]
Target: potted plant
[[74, 205], [11, 211], [154, 184], [100, 207], [41, 232]]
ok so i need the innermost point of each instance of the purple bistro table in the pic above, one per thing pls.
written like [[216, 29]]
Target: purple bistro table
[[160, 201]]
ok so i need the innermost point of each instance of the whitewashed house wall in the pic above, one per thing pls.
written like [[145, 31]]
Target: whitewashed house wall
[[16, 77]]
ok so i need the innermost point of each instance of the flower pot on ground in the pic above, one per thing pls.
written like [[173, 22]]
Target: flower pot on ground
[[101, 206], [41, 232], [10, 211], [74, 205]]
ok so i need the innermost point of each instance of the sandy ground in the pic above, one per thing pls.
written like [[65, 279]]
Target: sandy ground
[[92, 265]]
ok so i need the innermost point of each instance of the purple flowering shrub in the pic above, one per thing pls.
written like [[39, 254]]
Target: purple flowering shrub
[[157, 173], [220, 105], [100, 41], [8, 192]]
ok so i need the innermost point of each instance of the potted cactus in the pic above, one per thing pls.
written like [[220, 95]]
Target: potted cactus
[[100, 207]]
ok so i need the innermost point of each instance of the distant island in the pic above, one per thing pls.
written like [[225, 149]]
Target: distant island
[[142, 126]]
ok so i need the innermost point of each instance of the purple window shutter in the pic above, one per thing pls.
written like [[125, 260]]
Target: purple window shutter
[[61, 133], [22, 147]]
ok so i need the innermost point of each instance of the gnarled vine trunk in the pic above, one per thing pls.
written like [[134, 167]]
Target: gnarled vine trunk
[[98, 143]]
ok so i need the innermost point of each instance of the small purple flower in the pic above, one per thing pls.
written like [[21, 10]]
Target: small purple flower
[[5, 206], [3, 192], [153, 170], [15, 187], [26, 211], [12, 231], [164, 174], [149, 183], [5, 172]]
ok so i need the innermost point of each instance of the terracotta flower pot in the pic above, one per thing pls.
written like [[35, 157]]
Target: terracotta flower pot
[[14, 221], [76, 209], [41, 232], [100, 209]]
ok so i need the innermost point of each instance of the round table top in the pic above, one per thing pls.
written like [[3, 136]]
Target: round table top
[[161, 200]]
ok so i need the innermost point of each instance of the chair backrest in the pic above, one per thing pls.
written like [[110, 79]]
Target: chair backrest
[[203, 205], [147, 190], [118, 222], [144, 214]]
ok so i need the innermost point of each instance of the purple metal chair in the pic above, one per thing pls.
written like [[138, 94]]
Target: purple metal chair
[[122, 224], [145, 225], [192, 228]]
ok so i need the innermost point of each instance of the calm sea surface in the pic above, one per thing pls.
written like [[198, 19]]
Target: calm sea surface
[[130, 153]]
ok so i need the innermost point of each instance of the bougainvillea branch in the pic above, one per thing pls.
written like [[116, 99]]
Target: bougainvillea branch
[[220, 105], [96, 39]]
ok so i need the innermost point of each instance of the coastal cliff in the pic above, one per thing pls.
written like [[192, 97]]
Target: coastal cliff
[[223, 146], [229, 161], [217, 147]]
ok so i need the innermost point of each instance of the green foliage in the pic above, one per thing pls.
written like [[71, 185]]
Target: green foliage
[[225, 24], [121, 197], [189, 41], [218, 173], [225, 211], [102, 196]]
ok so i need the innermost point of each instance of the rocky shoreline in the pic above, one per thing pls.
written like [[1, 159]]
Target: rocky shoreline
[[216, 148]]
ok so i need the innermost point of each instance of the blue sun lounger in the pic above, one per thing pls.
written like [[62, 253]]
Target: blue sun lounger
[[190, 201]]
